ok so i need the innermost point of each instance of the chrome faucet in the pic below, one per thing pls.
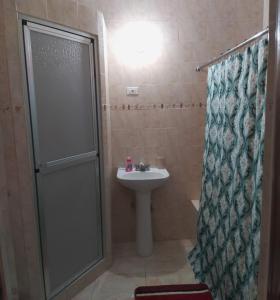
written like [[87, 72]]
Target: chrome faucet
[[142, 167]]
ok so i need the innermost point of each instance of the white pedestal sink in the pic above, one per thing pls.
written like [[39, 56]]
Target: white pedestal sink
[[143, 183]]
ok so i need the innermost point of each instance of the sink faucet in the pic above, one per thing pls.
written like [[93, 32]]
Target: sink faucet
[[142, 167]]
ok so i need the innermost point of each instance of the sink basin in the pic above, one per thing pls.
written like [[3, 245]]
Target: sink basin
[[143, 183]]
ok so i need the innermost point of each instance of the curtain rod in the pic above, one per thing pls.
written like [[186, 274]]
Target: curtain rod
[[248, 41]]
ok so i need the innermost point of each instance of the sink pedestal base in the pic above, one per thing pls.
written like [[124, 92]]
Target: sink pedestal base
[[144, 235]]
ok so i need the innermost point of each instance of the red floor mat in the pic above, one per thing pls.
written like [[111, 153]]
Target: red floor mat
[[174, 292]]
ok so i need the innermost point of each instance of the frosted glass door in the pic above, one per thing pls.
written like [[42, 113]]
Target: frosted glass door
[[61, 83]]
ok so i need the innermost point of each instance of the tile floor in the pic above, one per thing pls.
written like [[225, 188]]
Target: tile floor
[[167, 265]]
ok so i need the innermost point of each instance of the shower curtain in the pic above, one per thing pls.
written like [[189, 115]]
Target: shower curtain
[[226, 255]]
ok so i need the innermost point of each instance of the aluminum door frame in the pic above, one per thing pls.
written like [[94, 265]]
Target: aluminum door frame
[[105, 262]]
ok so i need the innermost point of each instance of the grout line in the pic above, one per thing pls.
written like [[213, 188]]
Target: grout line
[[146, 278]]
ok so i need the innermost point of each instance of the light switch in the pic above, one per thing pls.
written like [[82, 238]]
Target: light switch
[[132, 91]]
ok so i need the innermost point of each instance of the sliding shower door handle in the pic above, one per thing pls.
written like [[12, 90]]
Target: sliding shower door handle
[[66, 162]]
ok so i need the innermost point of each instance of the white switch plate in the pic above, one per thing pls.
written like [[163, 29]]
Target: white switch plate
[[132, 91]]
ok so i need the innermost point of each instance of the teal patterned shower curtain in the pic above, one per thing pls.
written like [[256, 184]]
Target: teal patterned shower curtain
[[226, 256]]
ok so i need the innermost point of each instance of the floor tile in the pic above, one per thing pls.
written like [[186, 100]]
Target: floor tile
[[167, 265], [181, 276], [124, 250], [118, 287], [128, 265]]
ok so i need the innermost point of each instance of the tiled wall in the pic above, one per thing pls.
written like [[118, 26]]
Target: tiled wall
[[8, 280], [265, 13], [167, 118], [19, 211]]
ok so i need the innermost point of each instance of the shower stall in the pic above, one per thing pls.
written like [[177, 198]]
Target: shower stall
[[62, 86]]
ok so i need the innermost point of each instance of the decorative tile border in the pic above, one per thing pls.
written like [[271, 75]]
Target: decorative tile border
[[6, 108], [127, 107]]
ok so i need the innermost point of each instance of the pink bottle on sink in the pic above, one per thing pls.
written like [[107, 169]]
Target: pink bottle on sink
[[128, 164]]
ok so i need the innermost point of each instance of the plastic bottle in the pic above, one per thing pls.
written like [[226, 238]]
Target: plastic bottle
[[128, 164]]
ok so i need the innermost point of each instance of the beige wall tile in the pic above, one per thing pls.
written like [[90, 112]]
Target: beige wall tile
[[250, 9], [125, 138], [35, 8], [87, 15], [63, 12], [265, 13]]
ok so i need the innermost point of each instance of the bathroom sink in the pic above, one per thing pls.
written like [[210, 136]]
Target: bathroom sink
[[143, 181]]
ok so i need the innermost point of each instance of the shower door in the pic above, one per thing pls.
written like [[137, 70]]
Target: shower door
[[62, 98]]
